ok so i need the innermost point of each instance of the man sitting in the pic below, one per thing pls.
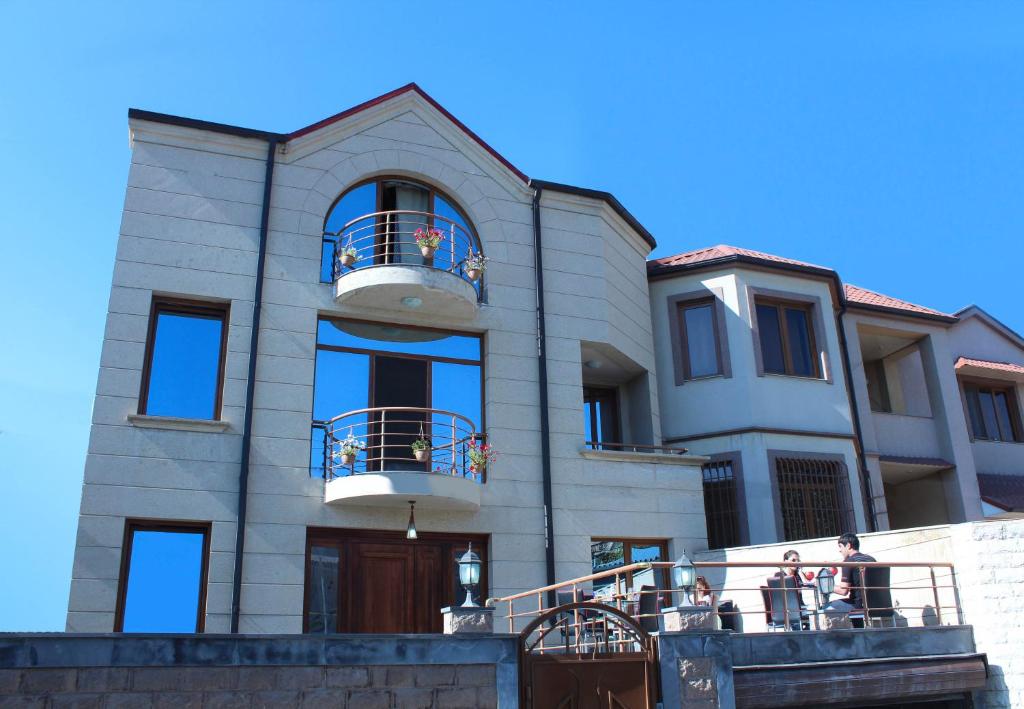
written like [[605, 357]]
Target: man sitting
[[851, 582]]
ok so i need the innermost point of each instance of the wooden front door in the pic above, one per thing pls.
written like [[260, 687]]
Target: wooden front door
[[384, 582]]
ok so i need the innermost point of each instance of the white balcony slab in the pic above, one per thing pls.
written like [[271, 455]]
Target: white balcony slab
[[397, 488], [407, 288]]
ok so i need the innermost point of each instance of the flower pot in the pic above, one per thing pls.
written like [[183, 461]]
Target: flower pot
[[428, 252], [348, 458], [473, 274], [347, 260], [422, 455]]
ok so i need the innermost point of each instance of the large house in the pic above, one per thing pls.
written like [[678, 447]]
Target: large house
[[337, 357]]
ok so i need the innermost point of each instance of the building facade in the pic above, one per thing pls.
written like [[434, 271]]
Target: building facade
[[318, 341]]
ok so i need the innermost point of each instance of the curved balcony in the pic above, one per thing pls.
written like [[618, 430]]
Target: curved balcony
[[380, 261], [371, 458]]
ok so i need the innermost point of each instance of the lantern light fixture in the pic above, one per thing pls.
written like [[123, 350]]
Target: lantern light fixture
[[410, 531], [469, 574]]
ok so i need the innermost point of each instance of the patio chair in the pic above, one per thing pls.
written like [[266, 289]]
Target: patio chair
[[878, 610], [782, 603]]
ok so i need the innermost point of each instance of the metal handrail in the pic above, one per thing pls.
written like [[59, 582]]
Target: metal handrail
[[635, 447], [380, 439], [388, 237], [940, 596]]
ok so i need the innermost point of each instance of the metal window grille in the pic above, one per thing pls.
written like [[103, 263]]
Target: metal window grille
[[814, 498], [721, 509]]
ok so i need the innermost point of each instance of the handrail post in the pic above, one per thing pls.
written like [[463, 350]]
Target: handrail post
[[956, 596], [935, 595], [387, 238], [454, 470], [452, 239], [383, 428]]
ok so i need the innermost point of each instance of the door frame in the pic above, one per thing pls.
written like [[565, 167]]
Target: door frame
[[343, 538]]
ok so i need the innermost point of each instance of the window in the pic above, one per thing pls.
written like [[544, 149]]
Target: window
[[162, 587], [379, 220], [878, 386], [993, 413], [721, 504], [363, 365], [787, 338], [608, 554], [813, 498], [600, 417], [699, 332], [183, 373]]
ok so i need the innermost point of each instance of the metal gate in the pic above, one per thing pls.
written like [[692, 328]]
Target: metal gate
[[587, 655]]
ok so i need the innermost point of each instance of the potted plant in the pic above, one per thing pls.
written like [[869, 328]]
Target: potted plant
[[480, 456], [349, 449], [475, 265], [348, 256], [428, 241], [421, 449]]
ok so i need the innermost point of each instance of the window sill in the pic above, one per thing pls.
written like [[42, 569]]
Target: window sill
[[174, 423], [799, 377], [989, 440], [632, 457]]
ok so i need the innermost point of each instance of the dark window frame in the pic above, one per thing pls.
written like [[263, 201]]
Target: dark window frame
[[741, 526], [676, 326], [816, 323], [845, 518], [162, 525], [592, 396], [976, 387], [627, 543], [781, 305], [194, 308], [681, 309], [341, 538]]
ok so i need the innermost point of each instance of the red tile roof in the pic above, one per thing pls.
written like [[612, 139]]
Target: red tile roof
[[722, 251], [986, 364], [1005, 491], [862, 296]]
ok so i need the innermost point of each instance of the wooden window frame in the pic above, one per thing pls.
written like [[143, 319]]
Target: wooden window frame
[[162, 525], [781, 305], [341, 538], [677, 332], [193, 308], [591, 396], [627, 554], [993, 387]]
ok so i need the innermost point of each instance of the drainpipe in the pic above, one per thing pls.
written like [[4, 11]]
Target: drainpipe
[[250, 387], [862, 461], [545, 426]]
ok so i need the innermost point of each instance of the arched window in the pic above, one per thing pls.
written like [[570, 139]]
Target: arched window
[[389, 220]]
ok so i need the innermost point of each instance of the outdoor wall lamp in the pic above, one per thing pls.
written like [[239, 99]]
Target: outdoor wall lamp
[[469, 574], [410, 531], [826, 583], [684, 575]]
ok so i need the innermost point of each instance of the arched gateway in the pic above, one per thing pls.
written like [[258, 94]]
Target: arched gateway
[[585, 655]]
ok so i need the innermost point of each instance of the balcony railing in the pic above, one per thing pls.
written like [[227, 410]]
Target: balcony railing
[[389, 238], [386, 439]]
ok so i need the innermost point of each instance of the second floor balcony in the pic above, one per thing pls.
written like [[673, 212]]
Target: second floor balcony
[[396, 455], [407, 260]]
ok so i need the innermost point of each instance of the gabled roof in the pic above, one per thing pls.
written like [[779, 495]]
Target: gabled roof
[[974, 311], [870, 300], [412, 87], [1003, 491], [722, 254]]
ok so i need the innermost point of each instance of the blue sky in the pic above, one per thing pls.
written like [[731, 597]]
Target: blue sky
[[881, 139]]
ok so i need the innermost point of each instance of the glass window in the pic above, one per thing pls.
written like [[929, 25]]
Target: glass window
[[163, 591], [770, 330], [787, 338], [878, 386], [322, 587], [609, 554], [700, 338], [721, 505], [600, 417], [813, 498], [992, 413], [185, 361]]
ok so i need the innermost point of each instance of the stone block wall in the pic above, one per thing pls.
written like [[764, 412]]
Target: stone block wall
[[355, 686]]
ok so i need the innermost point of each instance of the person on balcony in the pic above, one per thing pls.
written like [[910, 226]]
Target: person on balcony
[[792, 574], [850, 585]]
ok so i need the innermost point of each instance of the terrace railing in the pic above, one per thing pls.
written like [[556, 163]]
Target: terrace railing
[[926, 586], [386, 439]]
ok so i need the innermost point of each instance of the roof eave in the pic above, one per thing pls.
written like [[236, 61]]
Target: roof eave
[[661, 271], [899, 312], [606, 197]]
